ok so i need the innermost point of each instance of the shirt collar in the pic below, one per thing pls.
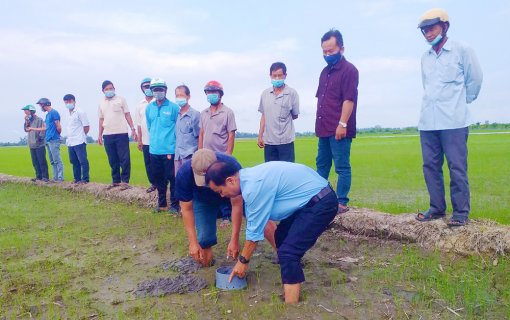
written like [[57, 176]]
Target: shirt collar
[[220, 109], [284, 91]]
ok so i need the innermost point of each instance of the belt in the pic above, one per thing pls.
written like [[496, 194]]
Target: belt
[[316, 198]]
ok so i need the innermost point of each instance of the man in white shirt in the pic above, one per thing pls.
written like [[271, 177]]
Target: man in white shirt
[[77, 128]]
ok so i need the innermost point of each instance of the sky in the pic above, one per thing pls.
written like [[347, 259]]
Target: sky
[[51, 48]]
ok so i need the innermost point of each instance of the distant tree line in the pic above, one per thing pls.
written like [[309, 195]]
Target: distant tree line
[[374, 130]]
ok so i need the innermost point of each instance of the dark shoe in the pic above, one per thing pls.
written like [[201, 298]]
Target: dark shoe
[[113, 185], [429, 216], [150, 189], [454, 222], [124, 186], [342, 209]]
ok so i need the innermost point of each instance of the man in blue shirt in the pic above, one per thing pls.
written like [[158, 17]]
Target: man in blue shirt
[[187, 127], [294, 194], [452, 79], [161, 116], [53, 130]]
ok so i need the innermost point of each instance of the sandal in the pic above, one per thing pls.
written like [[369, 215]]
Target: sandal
[[456, 223], [113, 185], [342, 209], [429, 216]]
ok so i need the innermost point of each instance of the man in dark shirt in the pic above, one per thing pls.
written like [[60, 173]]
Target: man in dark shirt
[[335, 124]]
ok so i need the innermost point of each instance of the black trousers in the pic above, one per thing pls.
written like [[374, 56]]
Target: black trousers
[[117, 150], [39, 162], [147, 162], [281, 152], [163, 172]]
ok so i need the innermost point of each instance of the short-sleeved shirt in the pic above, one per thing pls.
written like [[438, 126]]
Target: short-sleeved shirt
[[186, 188], [274, 191], [161, 124], [51, 127], [36, 139], [217, 127], [186, 133], [278, 111], [75, 134], [337, 83], [113, 111], [141, 121], [451, 80]]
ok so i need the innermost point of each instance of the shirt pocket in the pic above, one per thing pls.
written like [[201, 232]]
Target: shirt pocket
[[117, 106], [285, 109], [450, 71], [186, 127]]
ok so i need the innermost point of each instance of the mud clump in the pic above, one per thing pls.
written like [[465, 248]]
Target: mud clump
[[184, 265], [163, 286]]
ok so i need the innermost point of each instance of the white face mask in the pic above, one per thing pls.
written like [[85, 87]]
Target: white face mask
[[436, 40]]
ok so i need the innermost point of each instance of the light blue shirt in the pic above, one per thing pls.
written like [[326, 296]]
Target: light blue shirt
[[186, 133], [161, 125], [274, 191], [451, 80]]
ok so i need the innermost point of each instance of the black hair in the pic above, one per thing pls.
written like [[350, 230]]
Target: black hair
[[105, 83], [219, 171], [185, 88], [276, 66], [69, 97], [333, 33]]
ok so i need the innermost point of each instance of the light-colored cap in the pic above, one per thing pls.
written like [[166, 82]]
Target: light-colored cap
[[432, 17], [200, 161]]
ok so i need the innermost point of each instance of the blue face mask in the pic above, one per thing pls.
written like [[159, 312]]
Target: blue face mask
[[181, 102], [333, 58], [148, 92], [70, 106], [277, 83], [213, 98], [436, 40], [109, 93], [160, 95]]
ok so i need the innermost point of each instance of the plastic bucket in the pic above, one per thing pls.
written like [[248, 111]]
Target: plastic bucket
[[222, 275]]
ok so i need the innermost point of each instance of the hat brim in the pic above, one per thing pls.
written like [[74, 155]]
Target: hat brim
[[199, 179]]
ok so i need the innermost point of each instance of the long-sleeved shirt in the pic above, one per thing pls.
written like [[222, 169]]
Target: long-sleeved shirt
[[451, 80], [274, 191], [35, 139], [161, 124]]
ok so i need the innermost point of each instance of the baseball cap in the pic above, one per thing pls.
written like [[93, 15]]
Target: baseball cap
[[200, 161]]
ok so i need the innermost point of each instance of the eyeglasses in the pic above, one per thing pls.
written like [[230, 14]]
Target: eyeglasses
[[147, 86]]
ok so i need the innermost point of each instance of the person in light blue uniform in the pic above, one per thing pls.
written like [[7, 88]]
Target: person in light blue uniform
[[161, 115], [452, 78], [295, 195]]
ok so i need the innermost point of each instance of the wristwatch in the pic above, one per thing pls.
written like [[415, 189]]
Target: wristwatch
[[243, 260], [343, 124]]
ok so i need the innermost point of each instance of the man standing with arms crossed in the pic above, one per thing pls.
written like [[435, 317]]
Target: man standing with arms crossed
[[335, 124], [279, 106], [452, 79]]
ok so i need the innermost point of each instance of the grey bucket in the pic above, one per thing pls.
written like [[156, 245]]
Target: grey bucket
[[222, 275]]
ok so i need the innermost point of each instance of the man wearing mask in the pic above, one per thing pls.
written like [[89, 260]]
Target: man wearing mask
[[77, 128], [143, 132], [335, 123], [187, 128], [113, 115], [36, 142], [279, 106], [217, 130], [161, 116], [53, 130], [452, 79]]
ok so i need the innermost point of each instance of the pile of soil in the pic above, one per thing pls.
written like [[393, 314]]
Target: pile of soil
[[181, 284]]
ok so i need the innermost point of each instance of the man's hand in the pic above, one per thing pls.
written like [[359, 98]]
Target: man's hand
[[169, 156], [239, 271], [140, 145], [233, 249], [340, 133], [134, 136], [100, 140], [195, 251], [260, 142], [29, 129]]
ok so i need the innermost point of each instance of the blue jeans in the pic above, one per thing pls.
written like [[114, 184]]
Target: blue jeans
[[78, 158], [435, 145], [56, 159], [205, 221], [338, 152]]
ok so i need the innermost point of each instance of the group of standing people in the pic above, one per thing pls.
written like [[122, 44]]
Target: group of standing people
[[206, 183]]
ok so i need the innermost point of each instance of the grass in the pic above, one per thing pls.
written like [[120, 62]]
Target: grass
[[387, 172], [70, 255]]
